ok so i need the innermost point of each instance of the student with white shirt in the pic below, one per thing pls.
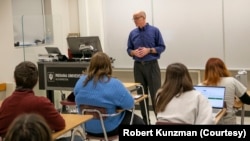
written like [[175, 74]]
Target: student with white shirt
[[178, 102]]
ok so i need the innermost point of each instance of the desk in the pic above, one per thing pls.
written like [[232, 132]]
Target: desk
[[72, 121], [129, 85], [220, 115], [239, 105], [141, 98], [137, 86]]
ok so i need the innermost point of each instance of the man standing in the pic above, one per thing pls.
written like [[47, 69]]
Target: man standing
[[145, 45]]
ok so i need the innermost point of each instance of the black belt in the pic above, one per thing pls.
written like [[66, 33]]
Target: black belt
[[146, 62]]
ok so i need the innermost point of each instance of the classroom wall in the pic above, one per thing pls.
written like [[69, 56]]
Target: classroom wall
[[93, 20], [11, 56], [193, 30]]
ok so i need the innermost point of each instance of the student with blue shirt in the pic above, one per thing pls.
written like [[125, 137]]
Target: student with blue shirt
[[145, 45], [99, 88]]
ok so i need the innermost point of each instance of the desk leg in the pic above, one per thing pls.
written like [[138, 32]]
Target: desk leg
[[145, 104], [132, 116], [50, 95], [242, 114], [146, 110], [64, 108], [75, 132]]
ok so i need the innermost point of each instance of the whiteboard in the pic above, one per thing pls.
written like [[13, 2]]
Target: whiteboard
[[193, 30], [237, 34], [117, 17]]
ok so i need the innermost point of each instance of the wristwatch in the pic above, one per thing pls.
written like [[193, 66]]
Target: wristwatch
[[151, 50]]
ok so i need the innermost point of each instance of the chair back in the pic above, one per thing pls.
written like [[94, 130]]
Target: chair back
[[98, 113]]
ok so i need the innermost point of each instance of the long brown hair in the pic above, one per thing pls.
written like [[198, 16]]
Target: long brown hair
[[100, 68], [214, 70], [177, 81], [29, 127]]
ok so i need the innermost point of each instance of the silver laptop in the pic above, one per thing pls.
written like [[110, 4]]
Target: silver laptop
[[53, 50], [215, 95]]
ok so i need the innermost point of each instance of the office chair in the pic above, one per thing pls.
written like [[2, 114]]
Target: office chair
[[101, 114]]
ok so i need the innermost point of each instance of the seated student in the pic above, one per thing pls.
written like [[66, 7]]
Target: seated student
[[217, 74], [99, 88], [23, 100], [178, 102], [29, 127]]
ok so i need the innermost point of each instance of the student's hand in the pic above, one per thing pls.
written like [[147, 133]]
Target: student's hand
[[237, 103]]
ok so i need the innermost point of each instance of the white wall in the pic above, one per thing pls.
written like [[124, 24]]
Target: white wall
[[193, 30], [91, 19], [10, 56]]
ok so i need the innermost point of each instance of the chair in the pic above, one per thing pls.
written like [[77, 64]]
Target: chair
[[239, 105], [70, 106], [99, 113]]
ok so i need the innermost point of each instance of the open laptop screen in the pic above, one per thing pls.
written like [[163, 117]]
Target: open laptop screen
[[215, 94], [53, 50]]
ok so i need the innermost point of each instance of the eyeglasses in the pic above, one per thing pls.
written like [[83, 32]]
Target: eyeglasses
[[137, 18]]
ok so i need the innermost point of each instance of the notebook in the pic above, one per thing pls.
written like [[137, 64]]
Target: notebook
[[215, 95], [53, 50]]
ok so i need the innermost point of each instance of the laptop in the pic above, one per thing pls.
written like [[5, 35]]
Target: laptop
[[215, 95], [53, 50]]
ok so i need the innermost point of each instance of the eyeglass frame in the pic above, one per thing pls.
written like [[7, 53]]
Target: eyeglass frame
[[137, 18]]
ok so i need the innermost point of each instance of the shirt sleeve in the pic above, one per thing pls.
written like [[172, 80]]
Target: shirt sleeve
[[204, 114], [51, 115], [124, 98]]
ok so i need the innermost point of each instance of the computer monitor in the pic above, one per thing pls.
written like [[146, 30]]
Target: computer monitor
[[84, 47]]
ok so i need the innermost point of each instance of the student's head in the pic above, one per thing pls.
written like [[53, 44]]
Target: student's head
[[215, 69], [99, 68], [29, 127], [26, 75], [177, 80], [139, 18]]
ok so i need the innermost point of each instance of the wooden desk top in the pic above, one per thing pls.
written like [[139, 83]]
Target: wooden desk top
[[72, 121], [220, 115], [128, 84], [141, 98]]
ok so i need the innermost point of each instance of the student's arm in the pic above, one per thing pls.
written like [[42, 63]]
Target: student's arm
[[245, 98], [51, 115]]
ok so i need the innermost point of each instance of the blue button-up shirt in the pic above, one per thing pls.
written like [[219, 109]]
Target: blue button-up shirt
[[148, 36]]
